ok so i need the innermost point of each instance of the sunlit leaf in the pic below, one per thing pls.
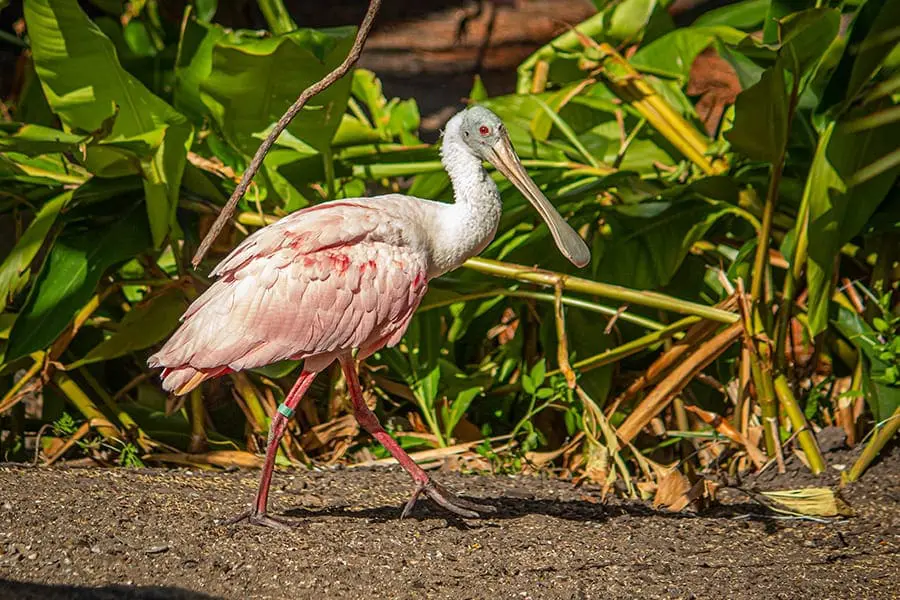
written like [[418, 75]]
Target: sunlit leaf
[[84, 84]]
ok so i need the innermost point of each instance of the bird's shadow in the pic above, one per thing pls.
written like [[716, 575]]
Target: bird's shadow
[[508, 508], [21, 590]]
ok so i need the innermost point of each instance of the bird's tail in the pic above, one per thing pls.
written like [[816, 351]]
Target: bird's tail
[[181, 380]]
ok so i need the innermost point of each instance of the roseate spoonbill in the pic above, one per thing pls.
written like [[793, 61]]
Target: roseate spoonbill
[[345, 276]]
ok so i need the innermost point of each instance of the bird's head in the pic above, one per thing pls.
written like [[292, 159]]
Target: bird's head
[[485, 136]]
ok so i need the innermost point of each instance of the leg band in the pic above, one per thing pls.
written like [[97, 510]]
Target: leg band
[[286, 410]]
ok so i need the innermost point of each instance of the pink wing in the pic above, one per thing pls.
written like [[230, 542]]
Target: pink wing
[[317, 283]]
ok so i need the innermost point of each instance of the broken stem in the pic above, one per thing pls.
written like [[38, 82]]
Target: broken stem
[[316, 88]]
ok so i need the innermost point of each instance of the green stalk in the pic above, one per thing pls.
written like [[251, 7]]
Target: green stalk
[[761, 260], [566, 300], [407, 169], [634, 346], [248, 393], [121, 415], [793, 275], [277, 16], [614, 354], [7, 401], [795, 414], [605, 290], [198, 424], [328, 157], [86, 406], [765, 395], [761, 365], [883, 432]]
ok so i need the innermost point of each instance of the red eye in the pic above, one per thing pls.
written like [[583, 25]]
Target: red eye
[[484, 130]]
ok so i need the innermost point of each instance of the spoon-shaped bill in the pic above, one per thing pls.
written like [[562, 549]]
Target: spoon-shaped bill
[[505, 160]]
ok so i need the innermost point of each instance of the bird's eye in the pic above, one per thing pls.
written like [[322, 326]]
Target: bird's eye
[[484, 130], [466, 133]]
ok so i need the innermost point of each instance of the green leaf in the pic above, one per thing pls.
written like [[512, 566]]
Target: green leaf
[[643, 246], [778, 9], [459, 406], [673, 54], [528, 384], [14, 267], [146, 324], [866, 50], [882, 399], [479, 92], [84, 83], [206, 9], [746, 16], [70, 276], [806, 36], [538, 373], [246, 83], [35, 140], [761, 115], [839, 211]]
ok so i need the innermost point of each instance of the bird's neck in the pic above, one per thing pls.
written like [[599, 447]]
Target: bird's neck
[[472, 221]]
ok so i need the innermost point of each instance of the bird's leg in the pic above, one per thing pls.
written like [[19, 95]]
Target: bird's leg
[[424, 483], [257, 515]]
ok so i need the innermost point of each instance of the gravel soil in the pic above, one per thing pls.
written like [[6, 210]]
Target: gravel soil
[[99, 533]]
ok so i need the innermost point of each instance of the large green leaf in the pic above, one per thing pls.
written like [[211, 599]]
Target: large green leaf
[[871, 41], [837, 212], [760, 118], [70, 276], [85, 85], [145, 325], [673, 54], [642, 246], [245, 82], [14, 267]]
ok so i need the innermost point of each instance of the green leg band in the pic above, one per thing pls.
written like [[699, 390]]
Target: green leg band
[[286, 410]]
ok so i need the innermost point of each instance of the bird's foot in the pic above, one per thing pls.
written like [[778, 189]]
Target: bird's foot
[[442, 497], [262, 519]]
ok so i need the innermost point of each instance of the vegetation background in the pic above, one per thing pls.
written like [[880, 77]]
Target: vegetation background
[[733, 170]]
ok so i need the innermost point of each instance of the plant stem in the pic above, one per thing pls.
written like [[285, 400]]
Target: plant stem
[[247, 391], [86, 406], [122, 416], [765, 395], [566, 300], [277, 16], [795, 414], [10, 398], [883, 432], [198, 424], [615, 292]]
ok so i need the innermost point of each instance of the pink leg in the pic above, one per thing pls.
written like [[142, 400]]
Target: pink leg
[[257, 515], [424, 483]]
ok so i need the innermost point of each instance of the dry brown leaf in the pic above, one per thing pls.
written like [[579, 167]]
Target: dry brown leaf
[[724, 427], [218, 458], [671, 491], [814, 501]]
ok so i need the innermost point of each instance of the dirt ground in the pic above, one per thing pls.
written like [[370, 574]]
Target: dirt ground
[[94, 533]]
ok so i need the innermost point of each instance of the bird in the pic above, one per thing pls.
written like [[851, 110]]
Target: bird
[[340, 280]]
